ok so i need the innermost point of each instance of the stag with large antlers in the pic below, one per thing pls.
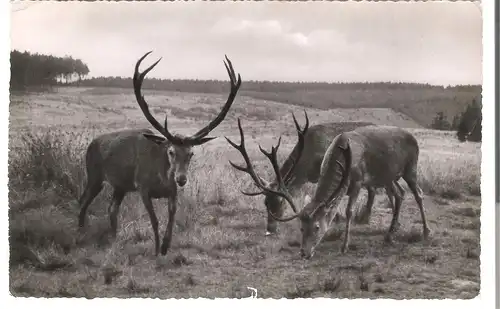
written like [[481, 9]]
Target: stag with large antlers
[[299, 169], [370, 156], [138, 160]]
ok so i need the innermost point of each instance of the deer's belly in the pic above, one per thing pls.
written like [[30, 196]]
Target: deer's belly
[[376, 182], [163, 192]]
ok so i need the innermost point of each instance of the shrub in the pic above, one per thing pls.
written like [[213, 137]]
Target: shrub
[[45, 174]]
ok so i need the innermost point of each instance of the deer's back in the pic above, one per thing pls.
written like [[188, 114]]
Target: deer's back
[[123, 157], [381, 154], [317, 140]]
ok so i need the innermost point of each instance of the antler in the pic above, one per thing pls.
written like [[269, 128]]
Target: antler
[[262, 184], [199, 137], [335, 195], [137, 81], [301, 142], [259, 182]]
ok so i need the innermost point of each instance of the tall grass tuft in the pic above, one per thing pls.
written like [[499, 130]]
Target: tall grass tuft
[[45, 179], [48, 160]]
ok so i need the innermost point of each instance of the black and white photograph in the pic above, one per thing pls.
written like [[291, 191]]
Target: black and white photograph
[[274, 150]]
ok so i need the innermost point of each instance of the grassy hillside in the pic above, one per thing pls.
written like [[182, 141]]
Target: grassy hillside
[[421, 105], [113, 108], [219, 247], [420, 102]]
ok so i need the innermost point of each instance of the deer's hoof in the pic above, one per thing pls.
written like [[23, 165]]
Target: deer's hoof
[[397, 226], [164, 247], [163, 250], [268, 233], [427, 233]]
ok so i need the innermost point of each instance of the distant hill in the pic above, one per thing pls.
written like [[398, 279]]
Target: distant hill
[[421, 102]]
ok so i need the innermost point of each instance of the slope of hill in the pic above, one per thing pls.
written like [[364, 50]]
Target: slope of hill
[[421, 105], [421, 102], [109, 108]]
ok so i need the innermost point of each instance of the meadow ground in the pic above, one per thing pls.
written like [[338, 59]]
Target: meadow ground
[[219, 248]]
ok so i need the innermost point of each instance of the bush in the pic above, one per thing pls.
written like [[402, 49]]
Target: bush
[[47, 160], [45, 174]]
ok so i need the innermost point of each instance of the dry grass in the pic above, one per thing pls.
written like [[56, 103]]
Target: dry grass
[[219, 246]]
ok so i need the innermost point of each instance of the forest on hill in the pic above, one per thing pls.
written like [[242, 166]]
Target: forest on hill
[[432, 106], [38, 70]]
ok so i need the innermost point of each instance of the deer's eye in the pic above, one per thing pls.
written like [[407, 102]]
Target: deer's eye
[[171, 153]]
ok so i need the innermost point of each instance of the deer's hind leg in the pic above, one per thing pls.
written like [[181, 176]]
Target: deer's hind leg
[[114, 208], [92, 188], [411, 180], [398, 199]]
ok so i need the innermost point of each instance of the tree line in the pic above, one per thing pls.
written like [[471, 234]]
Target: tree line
[[34, 69], [218, 86], [467, 124]]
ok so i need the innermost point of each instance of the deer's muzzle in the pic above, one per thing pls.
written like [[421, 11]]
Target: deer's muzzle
[[306, 255], [181, 180]]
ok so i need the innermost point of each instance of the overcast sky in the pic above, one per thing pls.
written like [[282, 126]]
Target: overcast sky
[[430, 42]]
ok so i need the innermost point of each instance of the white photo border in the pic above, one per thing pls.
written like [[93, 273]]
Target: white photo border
[[486, 297]]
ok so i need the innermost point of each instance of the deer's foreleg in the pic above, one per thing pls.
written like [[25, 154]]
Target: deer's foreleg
[[363, 217], [167, 238], [146, 199]]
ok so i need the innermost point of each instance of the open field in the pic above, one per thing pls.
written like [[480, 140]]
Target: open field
[[418, 101], [219, 247]]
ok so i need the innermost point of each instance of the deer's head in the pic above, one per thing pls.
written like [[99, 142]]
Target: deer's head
[[317, 215], [178, 149]]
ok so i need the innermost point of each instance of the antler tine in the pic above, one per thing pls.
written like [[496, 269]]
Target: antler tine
[[252, 193], [301, 142], [137, 82], [199, 137], [283, 219], [273, 158], [297, 126], [259, 182], [230, 71]]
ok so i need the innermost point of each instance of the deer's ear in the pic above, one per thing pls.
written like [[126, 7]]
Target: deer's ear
[[154, 138]]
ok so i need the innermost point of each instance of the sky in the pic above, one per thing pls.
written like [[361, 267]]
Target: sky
[[424, 42]]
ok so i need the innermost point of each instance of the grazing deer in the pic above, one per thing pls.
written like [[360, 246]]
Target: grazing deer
[[138, 160], [297, 170], [375, 156]]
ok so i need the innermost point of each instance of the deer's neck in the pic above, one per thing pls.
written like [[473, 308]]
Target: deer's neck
[[162, 168]]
